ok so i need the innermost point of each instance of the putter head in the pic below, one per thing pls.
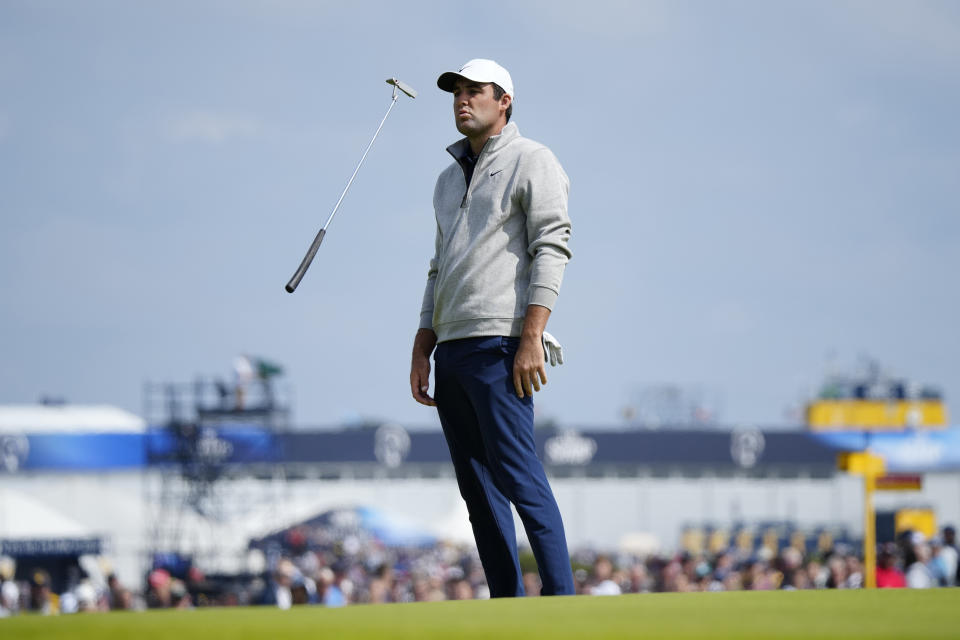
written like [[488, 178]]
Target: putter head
[[407, 89]]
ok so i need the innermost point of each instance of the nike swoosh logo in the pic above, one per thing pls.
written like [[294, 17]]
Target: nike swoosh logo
[[493, 173]]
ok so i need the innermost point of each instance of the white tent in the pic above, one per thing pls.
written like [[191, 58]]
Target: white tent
[[23, 517], [68, 418]]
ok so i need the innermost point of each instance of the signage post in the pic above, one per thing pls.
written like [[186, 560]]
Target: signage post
[[870, 466]]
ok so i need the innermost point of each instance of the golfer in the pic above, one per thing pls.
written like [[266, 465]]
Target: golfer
[[501, 248]]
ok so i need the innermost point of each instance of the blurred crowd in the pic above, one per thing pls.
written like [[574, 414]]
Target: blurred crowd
[[37, 593], [913, 561], [372, 573]]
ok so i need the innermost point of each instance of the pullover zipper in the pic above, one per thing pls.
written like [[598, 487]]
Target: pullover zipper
[[470, 184]]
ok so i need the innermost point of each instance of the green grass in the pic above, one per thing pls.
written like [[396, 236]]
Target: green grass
[[901, 613]]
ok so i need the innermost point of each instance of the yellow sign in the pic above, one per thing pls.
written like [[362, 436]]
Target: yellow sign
[[861, 463], [876, 415], [922, 520]]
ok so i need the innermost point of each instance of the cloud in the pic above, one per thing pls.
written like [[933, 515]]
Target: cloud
[[211, 127]]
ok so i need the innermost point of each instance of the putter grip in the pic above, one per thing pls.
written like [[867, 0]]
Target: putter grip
[[305, 264]]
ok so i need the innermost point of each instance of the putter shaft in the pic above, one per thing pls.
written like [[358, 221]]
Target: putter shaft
[[315, 245]]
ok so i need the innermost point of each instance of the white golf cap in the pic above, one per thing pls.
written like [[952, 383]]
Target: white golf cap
[[478, 70]]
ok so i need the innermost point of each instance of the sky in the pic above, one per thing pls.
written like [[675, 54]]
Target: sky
[[760, 192]]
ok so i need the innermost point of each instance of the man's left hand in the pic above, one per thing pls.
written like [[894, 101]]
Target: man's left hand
[[528, 366]]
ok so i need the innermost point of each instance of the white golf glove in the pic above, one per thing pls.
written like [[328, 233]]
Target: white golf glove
[[552, 351]]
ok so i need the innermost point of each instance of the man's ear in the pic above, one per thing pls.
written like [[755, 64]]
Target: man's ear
[[505, 101]]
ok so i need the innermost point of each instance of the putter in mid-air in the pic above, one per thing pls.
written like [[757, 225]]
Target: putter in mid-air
[[312, 251]]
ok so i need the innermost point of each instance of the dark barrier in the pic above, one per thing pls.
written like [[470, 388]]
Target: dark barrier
[[392, 446]]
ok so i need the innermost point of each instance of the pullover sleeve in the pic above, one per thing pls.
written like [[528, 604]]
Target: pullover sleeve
[[544, 199], [426, 309]]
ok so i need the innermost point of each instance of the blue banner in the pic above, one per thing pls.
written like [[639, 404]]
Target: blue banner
[[391, 445], [912, 451], [224, 445]]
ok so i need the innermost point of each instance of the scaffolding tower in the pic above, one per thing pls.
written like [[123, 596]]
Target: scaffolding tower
[[196, 491]]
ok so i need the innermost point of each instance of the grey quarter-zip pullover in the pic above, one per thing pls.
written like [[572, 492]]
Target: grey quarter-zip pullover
[[501, 239]]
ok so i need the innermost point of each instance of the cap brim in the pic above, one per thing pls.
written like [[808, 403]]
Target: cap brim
[[447, 80]]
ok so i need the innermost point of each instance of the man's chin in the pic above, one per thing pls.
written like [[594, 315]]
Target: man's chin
[[466, 128]]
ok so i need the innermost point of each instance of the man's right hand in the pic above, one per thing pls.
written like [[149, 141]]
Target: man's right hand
[[423, 346]]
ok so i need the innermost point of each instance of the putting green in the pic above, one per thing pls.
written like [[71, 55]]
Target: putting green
[[781, 614]]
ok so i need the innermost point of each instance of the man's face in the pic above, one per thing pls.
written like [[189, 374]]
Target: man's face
[[476, 111]]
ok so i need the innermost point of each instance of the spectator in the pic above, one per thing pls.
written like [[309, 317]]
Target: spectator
[[818, 575], [84, 597], [9, 598], [158, 589], [42, 599], [950, 539], [790, 564], [916, 558], [888, 575], [300, 592], [759, 578], [603, 584], [854, 573], [9, 591], [118, 597], [460, 589], [733, 581], [836, 573], [673, 578], [797, 579], [945, 559], [179, 596], [332, 580], [381, 587], [639, 580]]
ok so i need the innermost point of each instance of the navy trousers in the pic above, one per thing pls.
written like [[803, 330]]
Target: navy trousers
[[489, 431]]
